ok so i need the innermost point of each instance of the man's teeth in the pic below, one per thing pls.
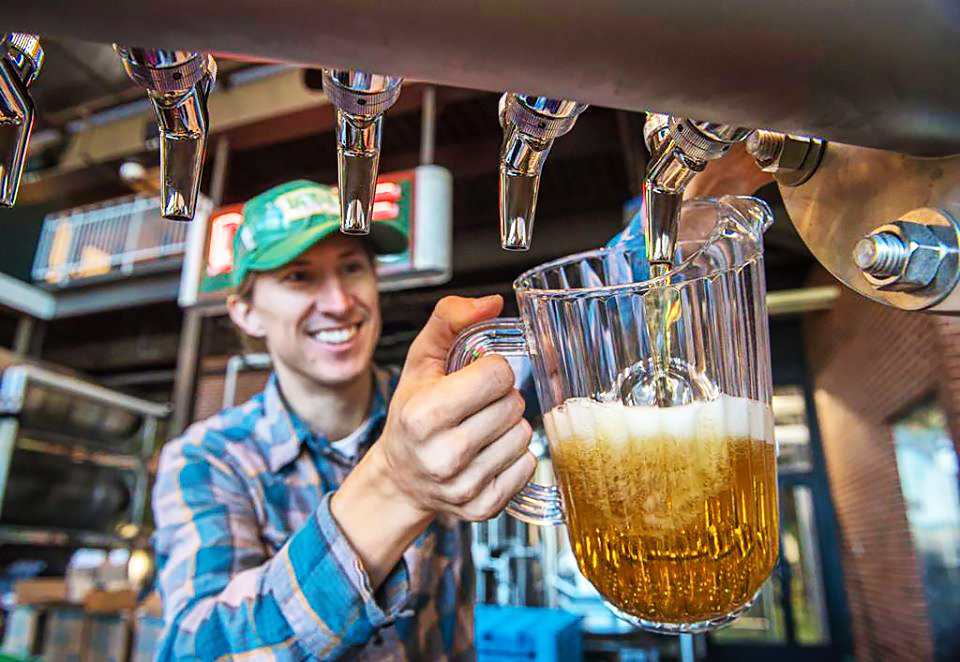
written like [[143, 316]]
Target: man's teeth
[[335, 336]]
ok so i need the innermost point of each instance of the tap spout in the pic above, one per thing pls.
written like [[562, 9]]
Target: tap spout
[[680, 149], [530, 125], [661, 214], [21, 59], [361, 100], [179, 84]]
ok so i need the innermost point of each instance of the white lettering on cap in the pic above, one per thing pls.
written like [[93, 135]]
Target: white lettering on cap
[[303, 203]]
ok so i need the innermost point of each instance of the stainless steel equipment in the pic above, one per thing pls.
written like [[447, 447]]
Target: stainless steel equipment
[[818, 69], [21, 58], [879, 73], [72, 459], [530, 125], [361, 99], [178, 83], [791, 159], [115, 238], [883, 223], [680, 148]]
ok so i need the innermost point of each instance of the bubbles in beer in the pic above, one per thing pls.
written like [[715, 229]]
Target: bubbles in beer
[[672, 512]]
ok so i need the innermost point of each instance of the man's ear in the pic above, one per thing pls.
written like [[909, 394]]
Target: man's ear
[[245, 316]]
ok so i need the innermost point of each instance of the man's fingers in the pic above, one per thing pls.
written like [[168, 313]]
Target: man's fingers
[[454, 398], [428, 352], [491, 462], [494, 420], [500, 490]]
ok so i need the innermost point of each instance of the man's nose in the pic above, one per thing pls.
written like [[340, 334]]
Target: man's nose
[[333, 297]]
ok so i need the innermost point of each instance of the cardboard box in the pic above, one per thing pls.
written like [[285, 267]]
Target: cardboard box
[[103, 602], [43, 590]]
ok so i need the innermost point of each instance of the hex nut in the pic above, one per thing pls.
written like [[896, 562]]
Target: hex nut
[[777, 152], [925, 252], [791, 159]]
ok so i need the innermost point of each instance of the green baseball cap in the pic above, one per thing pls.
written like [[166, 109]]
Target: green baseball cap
[[283, 222]]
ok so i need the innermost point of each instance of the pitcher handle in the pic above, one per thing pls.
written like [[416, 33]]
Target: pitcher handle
[[534, 504]]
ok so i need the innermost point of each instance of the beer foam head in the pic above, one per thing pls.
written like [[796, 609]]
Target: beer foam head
[[666, 461], [726, 416]]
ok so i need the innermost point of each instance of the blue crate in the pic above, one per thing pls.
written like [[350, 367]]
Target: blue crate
[[503, 634]]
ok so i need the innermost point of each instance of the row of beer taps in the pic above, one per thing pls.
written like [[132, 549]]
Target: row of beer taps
[[179, 83]]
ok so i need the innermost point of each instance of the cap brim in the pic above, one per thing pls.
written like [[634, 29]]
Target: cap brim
[[386, 239]]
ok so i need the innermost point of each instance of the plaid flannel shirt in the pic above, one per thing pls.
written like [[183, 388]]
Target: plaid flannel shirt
[[252, 565]]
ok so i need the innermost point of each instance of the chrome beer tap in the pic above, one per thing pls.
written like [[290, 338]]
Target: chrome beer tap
[[680, 148], [361, 99], [530, 125], [21, 59], [178, 83]]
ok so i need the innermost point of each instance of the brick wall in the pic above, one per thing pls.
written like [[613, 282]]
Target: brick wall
[[870, 363], [210, 386], [948, 330]]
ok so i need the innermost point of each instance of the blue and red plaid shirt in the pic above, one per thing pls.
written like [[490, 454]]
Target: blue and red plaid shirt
[[252, 564]]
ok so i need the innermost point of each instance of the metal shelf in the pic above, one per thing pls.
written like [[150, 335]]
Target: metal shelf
[[80, 442], [27, 535], [81, 454]]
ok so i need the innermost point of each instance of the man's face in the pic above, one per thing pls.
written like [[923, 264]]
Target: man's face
[[319, 314]]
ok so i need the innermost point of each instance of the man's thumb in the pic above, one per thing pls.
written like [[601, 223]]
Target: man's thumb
[[428, 352]]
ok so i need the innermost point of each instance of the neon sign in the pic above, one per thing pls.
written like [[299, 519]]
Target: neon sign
[[223, 227]]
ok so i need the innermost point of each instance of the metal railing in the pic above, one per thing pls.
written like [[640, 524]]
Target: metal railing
[[117, 237]]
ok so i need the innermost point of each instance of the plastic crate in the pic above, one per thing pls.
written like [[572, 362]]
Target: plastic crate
[[527, 633]]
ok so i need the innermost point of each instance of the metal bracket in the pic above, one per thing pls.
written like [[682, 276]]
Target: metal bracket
[[857, 189]]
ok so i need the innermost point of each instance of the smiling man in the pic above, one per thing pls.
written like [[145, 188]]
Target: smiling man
[[324, 518]]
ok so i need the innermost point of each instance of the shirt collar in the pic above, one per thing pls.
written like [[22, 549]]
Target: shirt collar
[[281, 433]]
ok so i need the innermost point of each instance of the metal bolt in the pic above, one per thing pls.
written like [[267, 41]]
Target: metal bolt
[[765, 146], [881, 255], [791, 159], [903, 255]]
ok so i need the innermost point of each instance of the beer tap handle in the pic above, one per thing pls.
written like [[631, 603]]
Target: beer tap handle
[[530, 125], [680, 149], [361, 99], [521, 162], [183, 142], [21, 58], [661, 216], [179, 84]]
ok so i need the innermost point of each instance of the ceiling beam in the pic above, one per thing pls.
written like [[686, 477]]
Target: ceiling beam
[[878, 73]]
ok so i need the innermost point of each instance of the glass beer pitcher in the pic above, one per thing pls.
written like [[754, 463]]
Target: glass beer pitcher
[[656, 400]]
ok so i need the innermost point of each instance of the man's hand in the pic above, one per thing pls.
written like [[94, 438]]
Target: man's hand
[[452, 444], [735, 173], [457, 443]]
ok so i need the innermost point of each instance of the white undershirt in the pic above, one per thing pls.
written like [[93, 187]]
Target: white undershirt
[[348, 445]]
